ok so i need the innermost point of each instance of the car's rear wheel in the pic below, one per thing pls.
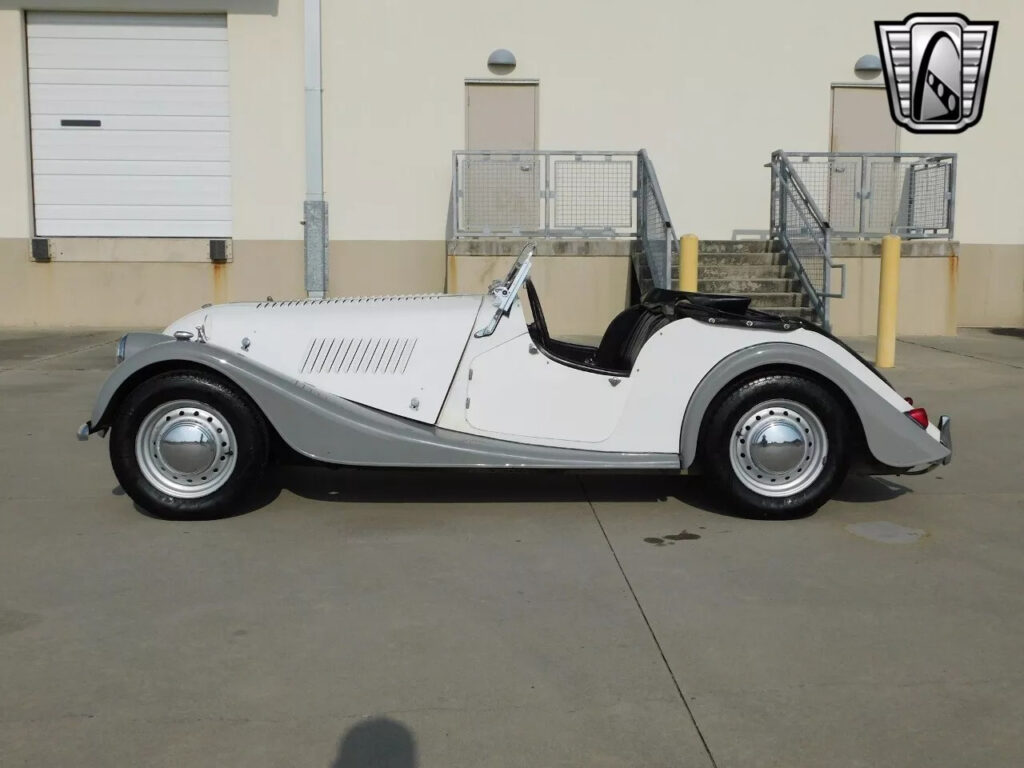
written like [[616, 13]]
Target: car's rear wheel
[[777, 446], [187, 445]]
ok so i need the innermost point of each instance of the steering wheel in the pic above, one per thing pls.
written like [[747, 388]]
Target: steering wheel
[[539, 323]]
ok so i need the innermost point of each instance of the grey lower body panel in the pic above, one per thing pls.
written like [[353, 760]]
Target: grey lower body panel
[[330, 429]]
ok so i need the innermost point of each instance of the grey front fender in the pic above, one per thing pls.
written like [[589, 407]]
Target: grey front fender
[[892, 439], [332, 429]]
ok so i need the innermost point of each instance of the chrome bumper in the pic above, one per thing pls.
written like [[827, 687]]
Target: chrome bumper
[[946, 437], [84, 431]]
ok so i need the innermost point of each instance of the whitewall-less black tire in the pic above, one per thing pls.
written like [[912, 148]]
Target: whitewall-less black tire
[[188, 445], [777, 446]]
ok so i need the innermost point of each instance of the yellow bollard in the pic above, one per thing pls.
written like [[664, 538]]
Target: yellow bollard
[[888, 301], [688, 263]]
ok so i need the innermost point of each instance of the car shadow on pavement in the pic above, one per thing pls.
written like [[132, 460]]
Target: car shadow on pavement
[[454, 486], [265, 495], [380, 485], [867, 489], [433, 486]]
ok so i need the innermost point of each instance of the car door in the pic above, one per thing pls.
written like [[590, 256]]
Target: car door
[[515, 390]]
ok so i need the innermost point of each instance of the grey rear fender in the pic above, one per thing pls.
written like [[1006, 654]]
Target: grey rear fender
[[892, 440]]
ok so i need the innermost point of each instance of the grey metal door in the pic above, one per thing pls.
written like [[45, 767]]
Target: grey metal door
[[502, 191], [861, 123]]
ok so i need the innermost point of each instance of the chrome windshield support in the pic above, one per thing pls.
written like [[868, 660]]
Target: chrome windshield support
[[504, 294]]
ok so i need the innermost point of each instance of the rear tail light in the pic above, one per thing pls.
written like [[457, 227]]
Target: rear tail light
[[920, 415]]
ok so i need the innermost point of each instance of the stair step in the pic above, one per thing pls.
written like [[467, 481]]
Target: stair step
[[765, 285], [805, 312], [774, 300], [740, 271], [737, 246], [724, 258]]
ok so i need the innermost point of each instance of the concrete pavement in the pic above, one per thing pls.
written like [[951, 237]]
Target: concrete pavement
[[419, 618]]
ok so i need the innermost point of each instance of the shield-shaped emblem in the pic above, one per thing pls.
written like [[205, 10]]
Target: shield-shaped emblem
[[936, 69]]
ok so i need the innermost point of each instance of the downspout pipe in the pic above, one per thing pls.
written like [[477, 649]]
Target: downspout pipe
[[315, 207]]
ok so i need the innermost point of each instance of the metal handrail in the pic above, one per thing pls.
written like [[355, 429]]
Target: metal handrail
[[805, 241]]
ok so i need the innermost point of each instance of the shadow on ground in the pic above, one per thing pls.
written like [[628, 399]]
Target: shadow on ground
[[391, 486], [379, 742], [1015, 332], [375, 485]]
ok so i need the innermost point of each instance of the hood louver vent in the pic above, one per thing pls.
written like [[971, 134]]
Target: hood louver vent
[[381, 356], [353, 300]]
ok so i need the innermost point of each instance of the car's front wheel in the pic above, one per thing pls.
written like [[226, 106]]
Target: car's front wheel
[[187, 445], [777, 446]]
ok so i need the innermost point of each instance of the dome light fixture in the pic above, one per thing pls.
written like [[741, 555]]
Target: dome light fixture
[[501, 61], [868, 67]]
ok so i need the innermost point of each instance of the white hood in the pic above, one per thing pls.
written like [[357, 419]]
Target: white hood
[[394, 353]]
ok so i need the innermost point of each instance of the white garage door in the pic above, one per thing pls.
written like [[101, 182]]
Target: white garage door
[[130, 132]]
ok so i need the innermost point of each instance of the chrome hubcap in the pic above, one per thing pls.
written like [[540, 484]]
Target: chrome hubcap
[[185, 449], [778, 448]]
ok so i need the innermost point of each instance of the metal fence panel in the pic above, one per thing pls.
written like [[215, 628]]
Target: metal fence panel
[[500, 194], [564, 194], [570, 194], [658, 242], [593, 193], [929, 183], [873, 194], [888, 206]]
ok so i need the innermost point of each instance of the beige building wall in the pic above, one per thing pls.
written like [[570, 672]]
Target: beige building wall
[[928, 295], [991, 286], [709, 89]]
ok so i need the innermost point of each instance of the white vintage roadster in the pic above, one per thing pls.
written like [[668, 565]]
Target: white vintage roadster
[[772, 410]]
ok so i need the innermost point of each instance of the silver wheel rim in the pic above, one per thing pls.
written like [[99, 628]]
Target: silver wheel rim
[[778, 448], [186, 449]]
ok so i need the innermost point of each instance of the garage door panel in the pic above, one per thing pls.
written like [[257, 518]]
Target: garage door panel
[[70, 76], [156, 31], [134, 123], [128, 107], [174, 95], [82, 50], [133, 212], [131, 168], [150, 25], [162, 153], [158, 163], [122, 228], [98, 137], [119, 61], [125, 190]]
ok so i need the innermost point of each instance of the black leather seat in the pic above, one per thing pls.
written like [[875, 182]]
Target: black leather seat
[[626, 335], [620, 346]]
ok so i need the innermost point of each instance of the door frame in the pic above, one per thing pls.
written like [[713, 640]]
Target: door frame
[[832, 108], [506, 81]]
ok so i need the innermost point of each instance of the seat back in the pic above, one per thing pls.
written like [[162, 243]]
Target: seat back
[[626, 335]]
